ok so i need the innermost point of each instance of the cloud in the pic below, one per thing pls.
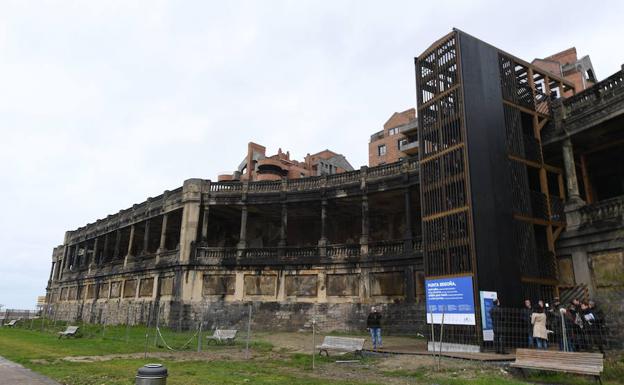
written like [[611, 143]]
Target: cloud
[[103, 104]]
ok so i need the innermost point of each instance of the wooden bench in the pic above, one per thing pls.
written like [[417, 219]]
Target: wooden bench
[[342, 344], [71, 331], [223, 335], [11, 323], [590, 364]]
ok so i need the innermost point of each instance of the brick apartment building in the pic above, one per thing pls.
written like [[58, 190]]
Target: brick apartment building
[[258, 166], [567, 65], [398, 140]]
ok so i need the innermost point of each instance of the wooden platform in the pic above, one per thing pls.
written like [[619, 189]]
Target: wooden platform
[[418, 350]]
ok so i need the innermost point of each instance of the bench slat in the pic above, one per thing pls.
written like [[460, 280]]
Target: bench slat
[[572, 362]]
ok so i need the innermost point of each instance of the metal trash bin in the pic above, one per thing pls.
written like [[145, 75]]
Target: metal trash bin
[[152, 374]]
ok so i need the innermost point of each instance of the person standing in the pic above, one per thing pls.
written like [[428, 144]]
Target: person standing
[[526, 320], [597, 326], [498, 319], [555, 317], [540, 333], [373, 323]]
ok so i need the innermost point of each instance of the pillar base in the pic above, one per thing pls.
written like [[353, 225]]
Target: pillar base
[[573, 217]]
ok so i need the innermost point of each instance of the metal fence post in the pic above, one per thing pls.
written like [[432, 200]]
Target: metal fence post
[[313, 335], [441, 335], [43, 315], [157, 325], [104, 320], [149, 316], [199, 336], [248, 333], [127, 323]]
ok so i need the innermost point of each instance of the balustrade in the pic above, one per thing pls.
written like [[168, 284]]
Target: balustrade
[[610, 209], [386, 248], [343, 178], [606, 89], [343, 250], [384, 170]]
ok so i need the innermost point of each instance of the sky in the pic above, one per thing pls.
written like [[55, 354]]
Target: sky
[[105, 103]]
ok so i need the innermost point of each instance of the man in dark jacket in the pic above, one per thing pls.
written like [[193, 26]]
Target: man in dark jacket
[[597, 326], [373, 323], [526, 322], [498, 319]]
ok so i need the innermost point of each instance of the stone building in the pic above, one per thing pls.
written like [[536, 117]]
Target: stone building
[[397, 141], [339, 240], [519, 153], [586, 139], [258, 166]]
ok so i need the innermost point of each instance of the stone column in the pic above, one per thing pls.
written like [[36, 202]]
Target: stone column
[[94, 260], [205, 218], [321, 296], [407, 236], [130, 242], [574, 198], [163, 234], [242, 242], [105, 249], [191, 197], [76, 258], [284, 226], [117, 244], [65, 265], [239, 286], [146, 235], [582, 273], [365, 226], [322, 243], [52, 271]]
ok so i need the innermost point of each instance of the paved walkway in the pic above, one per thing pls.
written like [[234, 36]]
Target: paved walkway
[[14, 374]]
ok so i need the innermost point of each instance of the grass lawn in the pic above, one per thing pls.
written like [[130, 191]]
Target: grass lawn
[[112, 356]]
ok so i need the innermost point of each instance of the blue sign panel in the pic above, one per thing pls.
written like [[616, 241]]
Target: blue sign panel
[[487, 303], [450, 300]]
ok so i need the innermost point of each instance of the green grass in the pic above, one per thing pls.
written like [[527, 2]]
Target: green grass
[[43, 352], [118, 372]]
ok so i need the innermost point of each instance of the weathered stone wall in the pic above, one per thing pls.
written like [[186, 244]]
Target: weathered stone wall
[[111, 312], [398, 318], [608, 275], [297, 316]]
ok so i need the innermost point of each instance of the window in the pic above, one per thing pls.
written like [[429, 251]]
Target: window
[[381, 150], [393, 131], [401, 142]]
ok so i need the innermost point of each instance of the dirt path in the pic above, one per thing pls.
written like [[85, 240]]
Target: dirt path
[[13, 374]]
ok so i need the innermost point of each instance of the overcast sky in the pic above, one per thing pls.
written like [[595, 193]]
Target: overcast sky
[[104, 103]]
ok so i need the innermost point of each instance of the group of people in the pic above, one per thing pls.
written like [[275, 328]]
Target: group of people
[[576, 327]]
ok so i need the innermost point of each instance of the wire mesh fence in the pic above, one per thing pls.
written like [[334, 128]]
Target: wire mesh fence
[[170, 327]]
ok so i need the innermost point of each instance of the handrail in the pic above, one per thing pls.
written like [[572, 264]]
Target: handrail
[[608, 87]]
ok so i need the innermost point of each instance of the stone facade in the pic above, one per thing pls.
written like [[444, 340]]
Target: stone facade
[[590, 250], [344, 241]]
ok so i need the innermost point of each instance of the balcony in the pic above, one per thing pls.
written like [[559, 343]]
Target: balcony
[[316, 183], [410, 148], [301, 255], [604, 100], [603, 213]]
